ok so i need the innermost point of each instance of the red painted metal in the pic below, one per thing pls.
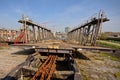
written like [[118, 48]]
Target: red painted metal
[[20, 37]]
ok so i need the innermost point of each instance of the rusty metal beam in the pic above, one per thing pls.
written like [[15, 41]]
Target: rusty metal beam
[[46, 69]]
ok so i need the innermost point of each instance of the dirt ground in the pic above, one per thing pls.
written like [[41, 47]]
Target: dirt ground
[[100, 66], [8, 60]]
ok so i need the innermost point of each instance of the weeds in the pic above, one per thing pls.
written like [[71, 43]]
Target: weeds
[[108, 45], [110, 56], [117, 75], [4, 47]]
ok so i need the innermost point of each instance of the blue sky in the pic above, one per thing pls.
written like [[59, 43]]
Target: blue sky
[[58, 14]]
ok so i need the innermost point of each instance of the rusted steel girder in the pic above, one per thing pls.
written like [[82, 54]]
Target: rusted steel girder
[[46, 69]]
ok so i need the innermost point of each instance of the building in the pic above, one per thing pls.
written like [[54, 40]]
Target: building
[[67, 29], [60, 35], [113, 34], [8, 35]]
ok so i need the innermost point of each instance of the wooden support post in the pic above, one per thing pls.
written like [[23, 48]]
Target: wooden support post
[[45, 34], [92, 34], [48, 34], [30, 38], [38, 34], [34, 36], [42, 33], [75, 32], [6, 35], [26, 33], [95, 35], [73, 35], [51, 35], [78, 35], [83, 35], [70, 35], [87, 32]]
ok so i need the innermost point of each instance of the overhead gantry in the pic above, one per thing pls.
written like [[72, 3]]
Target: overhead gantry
[[87, 33], [33, 32]]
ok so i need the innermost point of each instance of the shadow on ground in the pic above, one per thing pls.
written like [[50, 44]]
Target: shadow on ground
[[25, 52], [78, 55]]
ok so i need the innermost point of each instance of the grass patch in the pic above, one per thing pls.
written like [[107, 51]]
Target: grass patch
[[114, 58], [13, 56], [97, 58], [118, 66], [113, 41], [4, 47], [109, 56], [84, 77], [117, 75], [1, 48], [105, 44]]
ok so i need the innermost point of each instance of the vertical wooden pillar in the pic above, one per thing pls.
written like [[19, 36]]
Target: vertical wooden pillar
[[70, 35], [82, 36], [75, 32], [27, 33], [29, 36], [80, 30], [34, 36], [88, 32], [78, 35], [45, 33], [95, 35], [42, 33], [48, 34], [73, 36], [38, 34]]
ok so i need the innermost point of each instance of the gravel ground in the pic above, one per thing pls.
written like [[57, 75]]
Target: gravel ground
[[99, 67], [8, 60]]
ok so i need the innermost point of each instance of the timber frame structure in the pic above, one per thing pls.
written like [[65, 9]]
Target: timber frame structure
[[87, 33], [33, 32]]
